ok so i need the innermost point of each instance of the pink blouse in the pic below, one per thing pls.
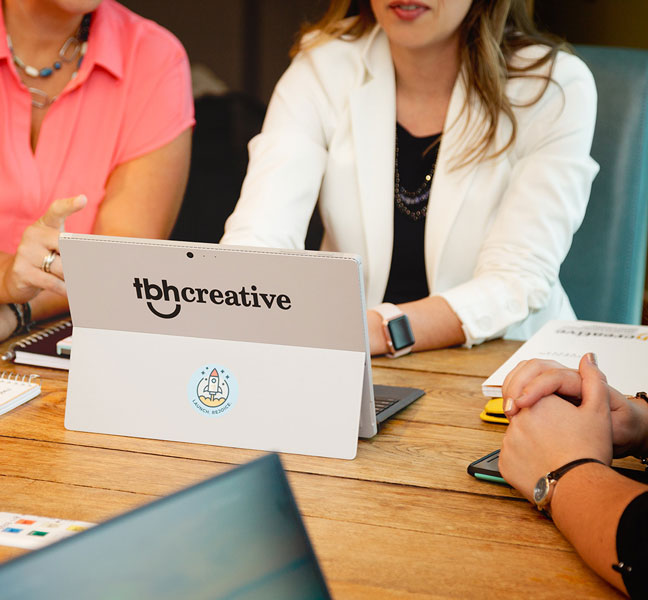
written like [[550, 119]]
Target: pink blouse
[[132, 95]]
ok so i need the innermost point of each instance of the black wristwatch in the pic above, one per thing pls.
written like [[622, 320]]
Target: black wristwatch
[[544, 488]]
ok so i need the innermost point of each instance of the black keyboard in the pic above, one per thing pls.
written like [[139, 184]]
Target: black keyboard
[[389, 399]]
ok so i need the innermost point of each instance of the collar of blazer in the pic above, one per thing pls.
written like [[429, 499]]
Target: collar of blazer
[[373, 122]]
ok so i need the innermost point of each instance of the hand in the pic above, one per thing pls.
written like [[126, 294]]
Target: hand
[[553, 432], [24, 276], [534, 379]]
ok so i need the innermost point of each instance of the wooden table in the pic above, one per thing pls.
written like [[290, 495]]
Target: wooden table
[[402, 520]]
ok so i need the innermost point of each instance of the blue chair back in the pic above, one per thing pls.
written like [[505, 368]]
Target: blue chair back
[[604, 271]]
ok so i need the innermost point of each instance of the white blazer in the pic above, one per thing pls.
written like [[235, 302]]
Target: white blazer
[[496, 230]]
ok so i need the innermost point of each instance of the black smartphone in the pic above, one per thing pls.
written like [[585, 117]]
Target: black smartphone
[[487, 468]]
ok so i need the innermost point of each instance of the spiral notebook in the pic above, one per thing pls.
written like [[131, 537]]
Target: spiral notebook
[[39, 349], [16, 390]]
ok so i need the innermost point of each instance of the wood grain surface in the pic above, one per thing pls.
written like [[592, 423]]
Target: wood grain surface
[[402, 520]]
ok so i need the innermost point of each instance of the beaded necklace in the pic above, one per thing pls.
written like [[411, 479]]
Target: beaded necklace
[[74, 48], [412, 204]]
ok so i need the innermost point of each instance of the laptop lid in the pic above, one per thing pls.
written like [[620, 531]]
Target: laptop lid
[[237, 535], [224, 345]]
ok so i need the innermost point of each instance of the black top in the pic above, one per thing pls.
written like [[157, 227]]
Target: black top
[[415, 159], [632, 546]]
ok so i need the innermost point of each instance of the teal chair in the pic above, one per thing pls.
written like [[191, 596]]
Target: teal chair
[[604, 271]]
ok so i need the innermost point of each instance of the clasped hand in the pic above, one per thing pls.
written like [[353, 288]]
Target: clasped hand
[[546, 431], [534, 379], [25, 274]]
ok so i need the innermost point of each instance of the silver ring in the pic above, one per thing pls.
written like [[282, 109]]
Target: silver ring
[[48, 260]]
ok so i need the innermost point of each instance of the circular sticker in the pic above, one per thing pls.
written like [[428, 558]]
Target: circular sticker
[[212, 390]]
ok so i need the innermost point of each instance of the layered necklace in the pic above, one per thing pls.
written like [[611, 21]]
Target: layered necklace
[[412, 204], [73, 49]]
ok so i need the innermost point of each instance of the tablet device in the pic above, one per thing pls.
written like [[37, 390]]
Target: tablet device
[[231, 346]]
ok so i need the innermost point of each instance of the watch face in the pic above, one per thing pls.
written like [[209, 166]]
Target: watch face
[[541, 490], [400, 332]]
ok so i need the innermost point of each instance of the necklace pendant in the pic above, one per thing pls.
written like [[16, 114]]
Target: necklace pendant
[[39, 98], [70, 50]]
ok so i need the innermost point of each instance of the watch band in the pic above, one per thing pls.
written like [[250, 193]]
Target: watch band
[[546, 484], [388, 311], [558, 473]]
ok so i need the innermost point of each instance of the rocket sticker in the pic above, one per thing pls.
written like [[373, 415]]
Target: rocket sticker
[[213, 390]]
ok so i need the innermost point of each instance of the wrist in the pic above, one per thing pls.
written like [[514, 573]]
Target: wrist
[[641, 448], [571, 481], [23, 317], [7, 294], [377, 342], [8, 321], [396, 329], [545, 488]]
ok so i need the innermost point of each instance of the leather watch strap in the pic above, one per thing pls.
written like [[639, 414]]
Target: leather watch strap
[[558, 473]]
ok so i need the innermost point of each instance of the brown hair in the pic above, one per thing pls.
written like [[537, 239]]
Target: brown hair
[[492, 33]]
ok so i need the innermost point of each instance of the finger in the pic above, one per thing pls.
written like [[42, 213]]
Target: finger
[[508, 401], [54, 284], [38, 244], [27, 269], [595, 390], [517, 380], [61, 209], [524, 372], [510, 408], [56, 268], [512, 376], [46, 281], [562, 382]]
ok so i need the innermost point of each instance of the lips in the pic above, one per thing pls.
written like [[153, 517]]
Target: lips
[[408, 11]]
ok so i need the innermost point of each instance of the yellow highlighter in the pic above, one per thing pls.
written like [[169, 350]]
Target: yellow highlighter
[[494, 412]]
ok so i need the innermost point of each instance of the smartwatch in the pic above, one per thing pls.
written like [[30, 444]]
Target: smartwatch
[[544, 488], [397, 330]]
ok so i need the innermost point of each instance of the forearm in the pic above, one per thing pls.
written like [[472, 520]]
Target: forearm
[[433, 323], [47, 305], [8, 322], [143, 196], [587, 505], [6, 260]]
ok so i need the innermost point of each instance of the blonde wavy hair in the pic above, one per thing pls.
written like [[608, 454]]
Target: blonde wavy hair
[[492, 33]]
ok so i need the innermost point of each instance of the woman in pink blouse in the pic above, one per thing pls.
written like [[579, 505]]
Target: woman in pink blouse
[[95, 134]]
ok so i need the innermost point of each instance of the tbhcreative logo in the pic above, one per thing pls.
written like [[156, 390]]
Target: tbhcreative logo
[[213, 390], [622, 332], [173, 297]]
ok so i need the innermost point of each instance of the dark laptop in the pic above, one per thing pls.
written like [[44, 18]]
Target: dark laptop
[[237, 536]]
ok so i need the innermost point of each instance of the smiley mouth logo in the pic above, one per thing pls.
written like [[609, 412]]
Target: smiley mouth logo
[[157, 313], [213, 390]]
